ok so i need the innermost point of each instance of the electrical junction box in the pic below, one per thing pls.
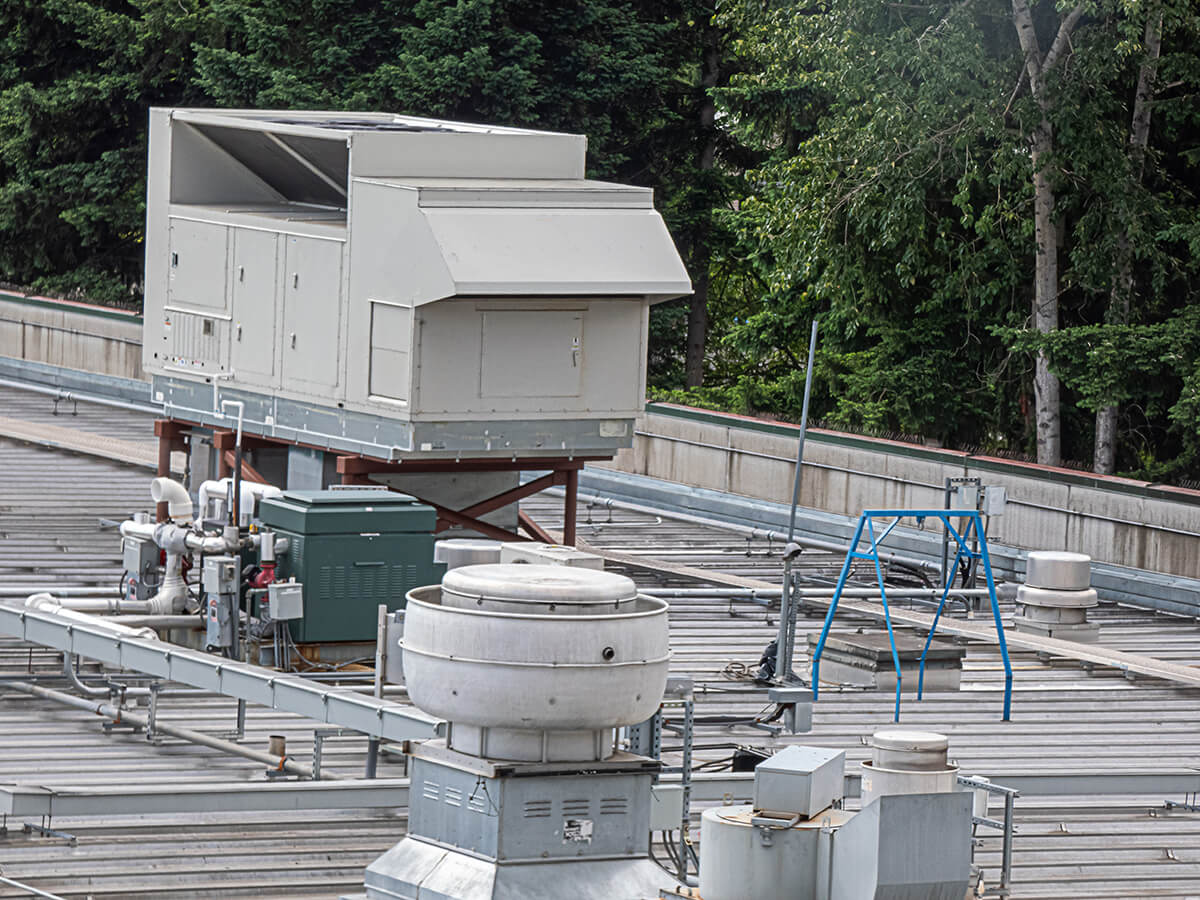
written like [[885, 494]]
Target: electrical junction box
[[352, 551], [285, 600], [799, 780]]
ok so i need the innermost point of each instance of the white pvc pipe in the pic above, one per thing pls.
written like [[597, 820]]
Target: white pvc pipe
[[220, 489], [50, 604], [111, 606], [179, 502]]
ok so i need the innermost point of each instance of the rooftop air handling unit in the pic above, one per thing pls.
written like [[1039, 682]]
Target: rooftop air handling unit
[[398, 287]]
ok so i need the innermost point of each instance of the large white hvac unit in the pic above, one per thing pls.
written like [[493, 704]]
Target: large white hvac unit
[[395, 286]]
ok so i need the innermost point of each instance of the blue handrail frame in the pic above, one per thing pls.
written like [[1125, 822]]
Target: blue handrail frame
[[974, 523]]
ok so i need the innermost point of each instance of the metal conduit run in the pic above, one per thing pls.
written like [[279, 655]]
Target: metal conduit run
[[68, 396], [124, 716], [766, 534]]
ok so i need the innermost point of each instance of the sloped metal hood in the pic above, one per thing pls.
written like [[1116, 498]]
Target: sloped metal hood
[[530, 251]]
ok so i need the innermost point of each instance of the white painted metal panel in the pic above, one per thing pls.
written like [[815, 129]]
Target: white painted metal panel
[[391, 344], [255, 260], [496, 153], [312, 313], [531, 353], [474, 360], [197, 265]]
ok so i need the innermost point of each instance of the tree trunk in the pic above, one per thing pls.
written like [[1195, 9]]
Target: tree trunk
[[1045, 300], [697, 330], [697, 333], [1105, 457], [1045, 277]]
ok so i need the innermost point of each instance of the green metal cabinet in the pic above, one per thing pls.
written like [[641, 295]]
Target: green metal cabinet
[[353, 550]]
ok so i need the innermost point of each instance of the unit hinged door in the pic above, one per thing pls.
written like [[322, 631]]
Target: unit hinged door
[[531, 353], [197, 266], [255, 260], [311, 313]]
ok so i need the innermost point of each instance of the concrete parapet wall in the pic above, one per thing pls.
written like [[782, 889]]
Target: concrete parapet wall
[[1114, 520], [93, 339]]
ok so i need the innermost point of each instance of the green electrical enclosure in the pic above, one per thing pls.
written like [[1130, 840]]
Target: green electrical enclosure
[[352, 550]]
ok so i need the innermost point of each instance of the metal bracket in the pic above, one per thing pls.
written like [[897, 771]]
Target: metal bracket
[[1190, 803], [46, 831]]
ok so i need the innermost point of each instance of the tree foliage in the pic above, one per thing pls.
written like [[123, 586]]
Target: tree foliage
[[905, 219], [867, 163]]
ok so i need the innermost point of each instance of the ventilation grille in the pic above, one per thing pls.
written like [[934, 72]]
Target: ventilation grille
[[537, 809], [614, 806]]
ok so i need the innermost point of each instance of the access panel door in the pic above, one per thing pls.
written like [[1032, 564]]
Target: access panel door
[[197, 266], [255, 261], [312, 314]]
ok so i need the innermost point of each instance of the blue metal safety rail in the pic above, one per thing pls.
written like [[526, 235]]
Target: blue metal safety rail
[[965, 552]]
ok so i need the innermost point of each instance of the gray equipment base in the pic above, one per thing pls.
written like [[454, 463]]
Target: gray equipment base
[[415, 869], [484, 829], [386, 438], [1079, 632], [865, 660]]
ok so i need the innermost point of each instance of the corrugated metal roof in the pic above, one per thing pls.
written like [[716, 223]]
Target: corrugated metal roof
[[1065, 719]]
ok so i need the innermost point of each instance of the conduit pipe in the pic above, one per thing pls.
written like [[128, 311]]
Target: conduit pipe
[[58, 591], [766, 534], [819, 593], [116, 714]]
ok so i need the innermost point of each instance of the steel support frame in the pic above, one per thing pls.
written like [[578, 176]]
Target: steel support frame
[[357, 469], [965, 551], [563, 472]]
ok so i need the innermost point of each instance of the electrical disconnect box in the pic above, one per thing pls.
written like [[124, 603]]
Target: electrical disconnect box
[[220, 583], [395, 286], [351, 551]]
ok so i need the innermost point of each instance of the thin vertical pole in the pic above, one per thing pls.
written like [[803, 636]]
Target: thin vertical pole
[[808, 376], [837, 593], [381, 654], [991, 584], [887, 613], [685, 779]]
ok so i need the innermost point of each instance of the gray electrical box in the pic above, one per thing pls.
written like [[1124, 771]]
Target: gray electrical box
[[395, 286], [219, 580], [799, 780], [138, 556], [285, 600]]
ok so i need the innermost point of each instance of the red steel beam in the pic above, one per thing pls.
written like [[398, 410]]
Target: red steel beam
[[570, 502], [170, 438], [362, 465], [534, 528], [249, 473]]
